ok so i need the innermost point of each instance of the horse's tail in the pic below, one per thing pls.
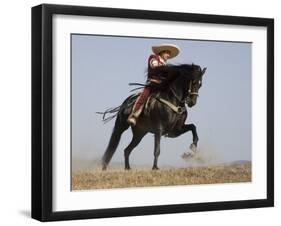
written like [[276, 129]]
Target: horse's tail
[[115, 111], [109, 111], [119, 127]]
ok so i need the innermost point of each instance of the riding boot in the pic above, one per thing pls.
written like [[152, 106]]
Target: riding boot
[[138, 106], [132, 119]]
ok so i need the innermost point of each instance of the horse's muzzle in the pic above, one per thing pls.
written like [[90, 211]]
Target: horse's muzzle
[[191, 102]]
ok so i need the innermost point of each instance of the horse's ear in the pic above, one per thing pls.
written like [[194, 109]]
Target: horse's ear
[[203, 71]]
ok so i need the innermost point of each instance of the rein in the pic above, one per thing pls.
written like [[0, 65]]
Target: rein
[[175, 95], [177, 109]]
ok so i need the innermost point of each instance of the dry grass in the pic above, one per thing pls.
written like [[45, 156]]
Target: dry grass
[[97, 179]]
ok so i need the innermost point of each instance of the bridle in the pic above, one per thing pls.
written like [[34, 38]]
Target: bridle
[[189, 90], [189, 93]]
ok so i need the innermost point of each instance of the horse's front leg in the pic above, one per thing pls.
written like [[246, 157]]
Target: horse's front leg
[[185, 128], [157, 139], [192, 127]]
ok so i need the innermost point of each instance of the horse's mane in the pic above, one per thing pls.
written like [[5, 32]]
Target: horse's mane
[[171, 71]]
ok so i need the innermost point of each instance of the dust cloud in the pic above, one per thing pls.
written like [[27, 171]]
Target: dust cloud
[[203, 157]]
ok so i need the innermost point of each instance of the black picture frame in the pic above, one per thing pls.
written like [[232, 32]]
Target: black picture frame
[[42, 106]]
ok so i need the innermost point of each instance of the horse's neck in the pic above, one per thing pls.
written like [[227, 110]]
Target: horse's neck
[[177, 88]]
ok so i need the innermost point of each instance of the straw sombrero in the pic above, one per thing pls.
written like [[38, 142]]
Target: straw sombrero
[[174, 50]]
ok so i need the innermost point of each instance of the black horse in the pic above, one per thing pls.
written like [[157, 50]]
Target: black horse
[[164, 113]]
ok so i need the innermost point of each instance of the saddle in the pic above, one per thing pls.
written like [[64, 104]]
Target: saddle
[[155, 97]]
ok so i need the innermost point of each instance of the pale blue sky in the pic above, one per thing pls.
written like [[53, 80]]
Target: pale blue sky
[[102, 67]]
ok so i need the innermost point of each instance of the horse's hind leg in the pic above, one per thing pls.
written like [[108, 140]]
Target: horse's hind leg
[[119, 127], [157, 138], [137, 137]]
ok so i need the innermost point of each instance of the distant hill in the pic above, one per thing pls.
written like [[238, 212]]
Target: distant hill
[[237, 162]]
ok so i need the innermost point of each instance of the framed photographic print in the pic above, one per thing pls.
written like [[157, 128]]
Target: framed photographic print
[[140, 112]]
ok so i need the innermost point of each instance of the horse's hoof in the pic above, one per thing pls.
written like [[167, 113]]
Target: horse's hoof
[[128, 168], [155, 168], [193, 147], [104, 168]]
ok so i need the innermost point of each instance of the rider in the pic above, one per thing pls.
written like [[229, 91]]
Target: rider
[[161, 54]]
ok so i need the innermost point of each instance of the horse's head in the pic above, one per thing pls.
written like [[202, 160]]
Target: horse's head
[[183, 80], [193, 84]]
